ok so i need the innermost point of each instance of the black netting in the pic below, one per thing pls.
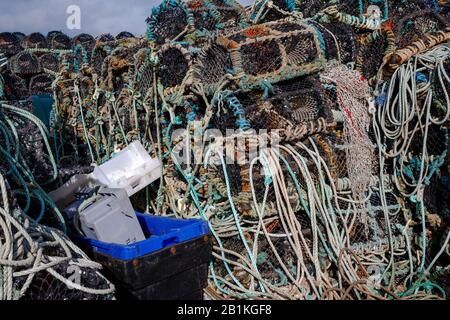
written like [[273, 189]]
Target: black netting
[[144, 80], [15, 87], [300, 49], [98, 57], [59, 41], [25, 63], [35, 40], [124, 35], [46, 287], [287, 27], [411, 27], [204, 19], [19, 35], [106, 37], [9, 44], [299, 101], [85, 40], [261, 58], [341, 41], [213, 65], [231, 12], [173, 67], [168, 24], [309, 8], [49, 61], [371, 54], [41, 83]]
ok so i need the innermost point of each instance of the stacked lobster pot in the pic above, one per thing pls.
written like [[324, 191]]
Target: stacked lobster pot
[[311, 135]]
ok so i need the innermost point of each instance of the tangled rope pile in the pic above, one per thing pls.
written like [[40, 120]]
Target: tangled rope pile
[[311, 135], [29, 250]]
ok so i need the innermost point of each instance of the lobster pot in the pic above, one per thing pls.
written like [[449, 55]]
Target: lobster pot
[[270, 13], [99, 55], [399, 10], [373, 48], [19, 35], [15, 86], [175, 69], [341, 41], [124, 35], [118, 67], [179, 20], [35, 40], [41, 83], [83, 45], [273, 52], [300, 100], [9, 44], [144, 74], [86, 40], [168, 20], [204, 15], [410, 28], [59, 41], [105, 37], [25, 63], [212, 65], [309, 8], [231, 12], [49, 61]]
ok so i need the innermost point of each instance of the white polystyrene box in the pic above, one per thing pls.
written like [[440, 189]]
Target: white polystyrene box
[[131, 169]]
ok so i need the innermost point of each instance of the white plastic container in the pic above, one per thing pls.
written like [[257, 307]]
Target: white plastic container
[[131, 169]]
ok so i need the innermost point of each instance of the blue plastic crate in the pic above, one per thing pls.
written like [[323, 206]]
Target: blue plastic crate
[[161, 233]]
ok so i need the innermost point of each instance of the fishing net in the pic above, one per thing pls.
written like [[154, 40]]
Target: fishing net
[[47, 287], [84, 39], [204, 18], [232, 14], [410, 28], [144, 74], [83, 44], [76, 277]]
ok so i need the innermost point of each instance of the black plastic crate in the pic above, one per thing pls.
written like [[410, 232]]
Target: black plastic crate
[[171, 264], [174, 273]]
